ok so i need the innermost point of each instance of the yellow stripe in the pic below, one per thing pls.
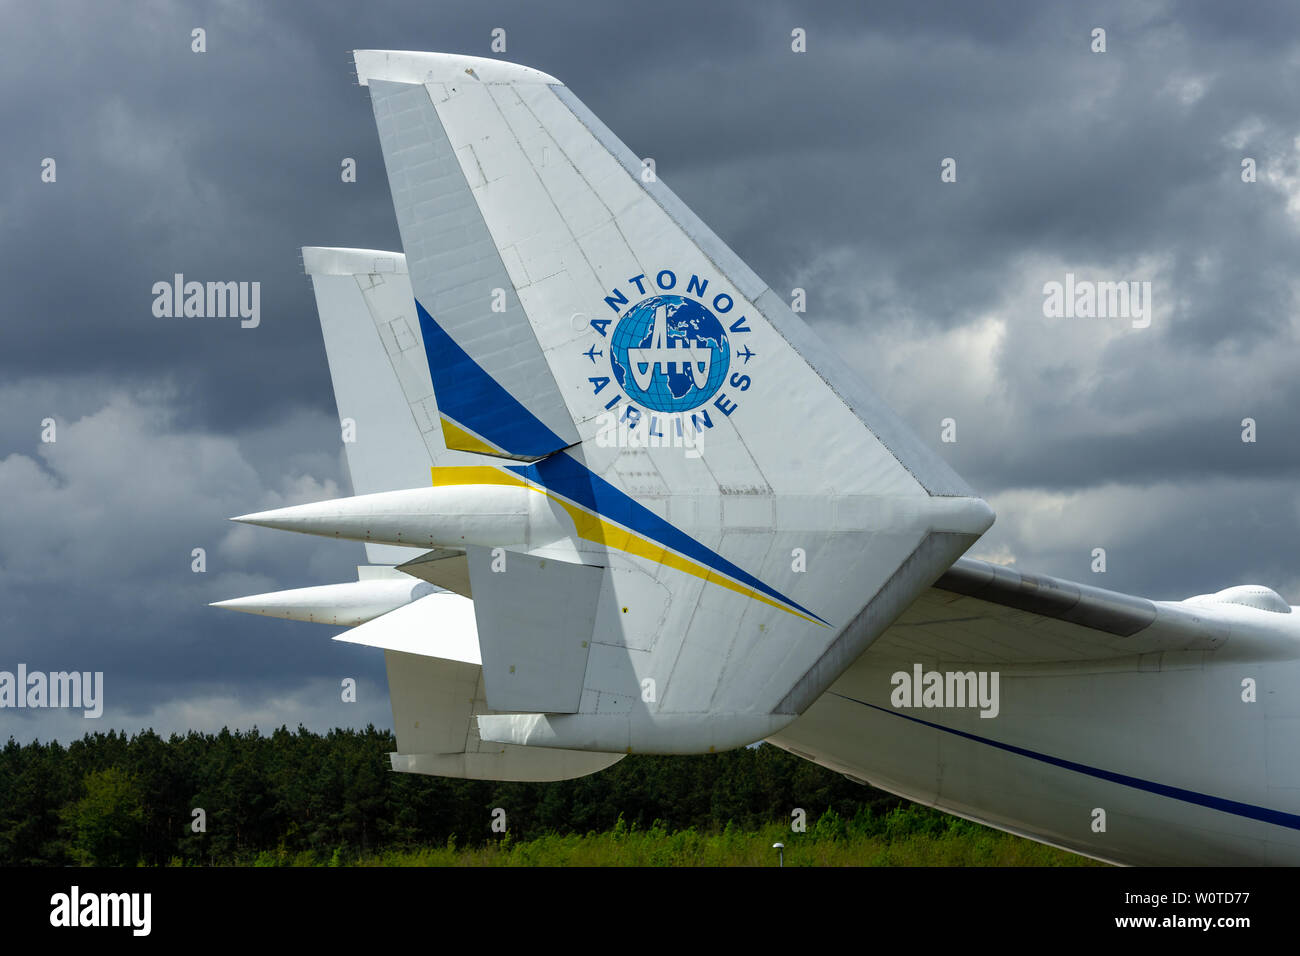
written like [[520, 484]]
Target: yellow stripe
[[459, 439], [593, 528], [474, 475]]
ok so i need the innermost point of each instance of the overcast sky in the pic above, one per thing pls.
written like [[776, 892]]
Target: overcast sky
[[820, 169]]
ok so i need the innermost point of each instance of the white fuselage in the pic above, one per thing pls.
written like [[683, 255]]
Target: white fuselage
[[1185, 767]]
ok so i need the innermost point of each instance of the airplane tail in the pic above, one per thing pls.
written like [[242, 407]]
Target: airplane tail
[[681, 517]]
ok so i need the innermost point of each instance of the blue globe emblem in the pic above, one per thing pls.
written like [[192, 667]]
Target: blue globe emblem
[[669, 353]]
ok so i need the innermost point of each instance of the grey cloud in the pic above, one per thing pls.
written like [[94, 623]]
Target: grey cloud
[[819, 169]]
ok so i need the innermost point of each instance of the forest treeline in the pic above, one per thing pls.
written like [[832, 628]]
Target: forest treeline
[[116, 799]]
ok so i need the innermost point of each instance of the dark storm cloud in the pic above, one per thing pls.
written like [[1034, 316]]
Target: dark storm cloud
[[820, 169]]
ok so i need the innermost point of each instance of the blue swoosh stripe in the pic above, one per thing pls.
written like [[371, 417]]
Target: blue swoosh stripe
[[469, 396], [573, 480], [1264, 814]]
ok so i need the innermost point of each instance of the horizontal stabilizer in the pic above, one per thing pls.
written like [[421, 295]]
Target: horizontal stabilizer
[[440, 625]]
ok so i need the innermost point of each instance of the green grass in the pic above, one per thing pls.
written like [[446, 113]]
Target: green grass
[[906, 836]]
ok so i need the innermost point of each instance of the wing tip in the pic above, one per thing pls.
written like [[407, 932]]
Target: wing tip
[[339, 261], [408, 66]]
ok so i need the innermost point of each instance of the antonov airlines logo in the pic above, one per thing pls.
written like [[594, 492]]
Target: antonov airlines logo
[[677, 362], [668, 352]]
